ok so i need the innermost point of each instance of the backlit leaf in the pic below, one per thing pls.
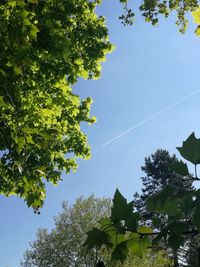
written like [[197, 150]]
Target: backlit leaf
[[191, 149]]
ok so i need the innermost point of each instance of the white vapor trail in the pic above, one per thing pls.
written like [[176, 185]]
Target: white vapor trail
[[151, 117]]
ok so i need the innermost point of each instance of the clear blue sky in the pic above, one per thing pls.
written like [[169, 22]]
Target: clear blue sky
[[150, 69]]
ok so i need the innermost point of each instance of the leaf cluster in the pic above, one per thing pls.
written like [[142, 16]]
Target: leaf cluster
[[62, 245], [45, 47], [123, 231], [151, 10], [120, 232]]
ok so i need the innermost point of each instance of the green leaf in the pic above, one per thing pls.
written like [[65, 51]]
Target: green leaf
[[168, 207], [33, 1], [96, 237], [186, 205], [179, 167], [191, 149], [2, 102], [156, 222], [145, 230], [121, 210], [132, 222], [4, 74], [175, 241], [178, 228], [167, 192], [78, 61], [197, 31], [115, 237], [139, 245], [164, 202], [160, 197], [33, 32], [17, 70], [105, 222], [12, 3], [135, 246], [120, 252], [171, 208], [196, 16]]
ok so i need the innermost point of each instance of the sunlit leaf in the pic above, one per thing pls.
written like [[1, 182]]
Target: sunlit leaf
[[197, 31], [196, 15]]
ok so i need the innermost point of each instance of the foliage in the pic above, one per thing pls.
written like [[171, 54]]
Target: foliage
[[157, 175], [120, 231], [181, 206], [150, 259], [62, 245], [151, 10], [159, 172], [45, 47], [196, 16]]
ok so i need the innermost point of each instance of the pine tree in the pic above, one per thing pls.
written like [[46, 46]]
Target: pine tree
[[158, 175]]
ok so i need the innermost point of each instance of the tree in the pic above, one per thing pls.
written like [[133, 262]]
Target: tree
[[158, 175], [45, 47], [122, 231], [62, 246]]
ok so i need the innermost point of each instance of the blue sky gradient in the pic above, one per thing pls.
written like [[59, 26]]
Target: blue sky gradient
[[151, 68]]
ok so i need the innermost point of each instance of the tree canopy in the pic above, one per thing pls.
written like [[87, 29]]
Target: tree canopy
[[45, 47], [62, 246], [152, 10], [158, 174]]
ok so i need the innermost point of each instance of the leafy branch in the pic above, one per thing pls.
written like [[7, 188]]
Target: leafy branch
[[181, 208]]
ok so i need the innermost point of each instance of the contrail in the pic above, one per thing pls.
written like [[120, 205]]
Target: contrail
[[151, 117]]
